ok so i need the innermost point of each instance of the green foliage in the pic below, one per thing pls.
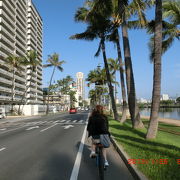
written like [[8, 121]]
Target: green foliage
[[166, 102], [178, 100]]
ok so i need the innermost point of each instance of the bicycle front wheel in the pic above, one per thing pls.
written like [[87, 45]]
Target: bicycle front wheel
[[101, 164]]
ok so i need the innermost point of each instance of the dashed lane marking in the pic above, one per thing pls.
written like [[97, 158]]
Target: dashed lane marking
[[48, 128], [1, 149], [35, 127]]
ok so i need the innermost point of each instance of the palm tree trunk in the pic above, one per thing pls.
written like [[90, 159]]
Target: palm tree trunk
[[109, 80], [132, 102], [13, 91], [153, 125], [123, 89], [25, 93], [47, 110]]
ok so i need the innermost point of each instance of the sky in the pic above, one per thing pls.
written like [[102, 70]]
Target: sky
[[59, 25]]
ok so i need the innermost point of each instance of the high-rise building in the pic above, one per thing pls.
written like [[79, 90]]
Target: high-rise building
[[20, 32], [80, 86]]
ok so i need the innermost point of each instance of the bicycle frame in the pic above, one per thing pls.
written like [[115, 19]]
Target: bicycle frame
[[100, 160]]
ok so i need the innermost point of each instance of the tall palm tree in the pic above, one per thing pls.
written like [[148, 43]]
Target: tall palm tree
[[124, 13], [171, 10], [98, 27], [14, 63], [98, 77], [114, 37], [114, 66], [106, 11], [31, 61], [53, 61]]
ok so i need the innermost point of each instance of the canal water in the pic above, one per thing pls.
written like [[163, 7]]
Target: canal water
[[169, 113]]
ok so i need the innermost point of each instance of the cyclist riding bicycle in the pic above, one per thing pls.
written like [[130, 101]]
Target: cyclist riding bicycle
[[98, 124]]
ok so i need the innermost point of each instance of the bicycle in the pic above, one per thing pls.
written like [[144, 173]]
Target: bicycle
[[100, 158]]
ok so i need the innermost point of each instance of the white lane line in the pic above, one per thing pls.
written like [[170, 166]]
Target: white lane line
[[62, 121], [34, 127], [1, 149], [11, 130], [68, 126], [75, 171], [56, 121], [3, 129], [48, 128]]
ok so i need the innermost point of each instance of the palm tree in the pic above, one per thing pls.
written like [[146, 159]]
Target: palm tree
[[114, 37], [14, 63], [53, 61], [113, 67], [170, 26], [31, 61], [171, 10], [98, 27]]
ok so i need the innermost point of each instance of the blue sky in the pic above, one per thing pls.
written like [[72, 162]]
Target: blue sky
[[59, 25]]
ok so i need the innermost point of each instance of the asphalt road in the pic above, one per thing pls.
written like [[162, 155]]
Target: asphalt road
[[49, 148]]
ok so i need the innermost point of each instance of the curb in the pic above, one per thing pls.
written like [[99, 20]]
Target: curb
[[137, 175]]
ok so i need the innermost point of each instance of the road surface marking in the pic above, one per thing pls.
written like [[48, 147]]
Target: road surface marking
[[62, 120], [48, 128], [34, 127], [80, 121], [74, 121], [68, 126], [1, 149], [75, 171], [12, 130], [56, 121], [3, 129], [68, 121]]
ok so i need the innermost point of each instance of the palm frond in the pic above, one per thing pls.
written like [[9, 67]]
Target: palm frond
[[89, 36], [81, 14], [60, 68], [171, 10], [98, 50], [47, 65]]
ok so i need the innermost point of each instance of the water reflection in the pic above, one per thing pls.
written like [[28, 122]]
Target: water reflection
[[171, 113]]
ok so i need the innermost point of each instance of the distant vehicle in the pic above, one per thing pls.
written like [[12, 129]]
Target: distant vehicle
[[72, 111]]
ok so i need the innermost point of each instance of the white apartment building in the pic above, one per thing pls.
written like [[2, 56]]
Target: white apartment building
[[164, 97], [20, 31], [80, 95]]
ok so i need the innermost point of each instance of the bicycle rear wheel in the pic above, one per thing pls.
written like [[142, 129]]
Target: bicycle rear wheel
[[101, 164]]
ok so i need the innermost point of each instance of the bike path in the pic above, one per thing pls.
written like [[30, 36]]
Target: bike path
[[117, 169]]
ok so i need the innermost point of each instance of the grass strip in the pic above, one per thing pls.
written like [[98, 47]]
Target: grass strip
[[157, 159]]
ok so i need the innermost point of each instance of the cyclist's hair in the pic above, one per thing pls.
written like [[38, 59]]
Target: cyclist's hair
[[98, 110]]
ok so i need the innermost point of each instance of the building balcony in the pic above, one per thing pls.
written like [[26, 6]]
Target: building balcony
[[3, 37], [19, 85], [10, 10], [5, 81], [4, 89], [7, 33], [2, 97], [12, 21]]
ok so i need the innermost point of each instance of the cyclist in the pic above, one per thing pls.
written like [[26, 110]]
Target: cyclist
[[97, 124]]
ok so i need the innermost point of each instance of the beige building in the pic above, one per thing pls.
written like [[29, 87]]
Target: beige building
[[80, 95], [20, 31]]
